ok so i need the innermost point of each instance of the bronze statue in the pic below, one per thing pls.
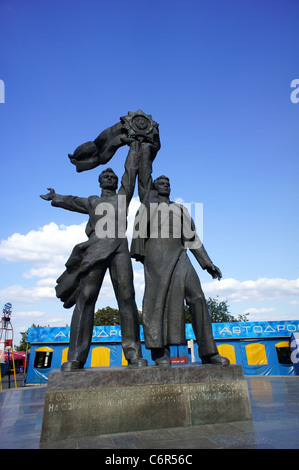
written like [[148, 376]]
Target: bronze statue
[[85, 269], [106, 248], [169, 275]]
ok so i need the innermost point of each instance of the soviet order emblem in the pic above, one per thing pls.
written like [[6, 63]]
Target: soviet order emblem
[[140, 126]]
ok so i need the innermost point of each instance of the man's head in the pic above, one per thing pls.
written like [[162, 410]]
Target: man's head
[[162, 185], [108, 179]]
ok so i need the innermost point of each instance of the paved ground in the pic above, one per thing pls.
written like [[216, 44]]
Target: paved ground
[[275, 425], [8, 382]]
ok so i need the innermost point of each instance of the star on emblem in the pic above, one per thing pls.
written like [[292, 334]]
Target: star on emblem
[[140, 126]]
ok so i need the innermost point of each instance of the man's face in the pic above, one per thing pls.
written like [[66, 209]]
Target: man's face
[[163, 187], [108, 181]]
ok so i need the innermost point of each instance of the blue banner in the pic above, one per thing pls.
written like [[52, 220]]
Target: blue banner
[[62, 334], [262, 329], [232, 330]]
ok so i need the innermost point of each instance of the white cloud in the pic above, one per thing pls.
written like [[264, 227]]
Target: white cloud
[[21, 320], [52, 270], [47, 282], [262, 314], [47, 248], [30, 314], [61, 320], [133, 207], [18, 293], [254, 311], [260, 290], [138, 281]]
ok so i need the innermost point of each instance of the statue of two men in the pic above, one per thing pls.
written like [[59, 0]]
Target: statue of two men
[[169, 276]]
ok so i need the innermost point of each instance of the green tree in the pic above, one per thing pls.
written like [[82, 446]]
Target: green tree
[[107, 316], [23, 344], [110, 316], [219, 312]]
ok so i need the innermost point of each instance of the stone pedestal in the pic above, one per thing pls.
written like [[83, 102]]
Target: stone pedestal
[[101, 400]]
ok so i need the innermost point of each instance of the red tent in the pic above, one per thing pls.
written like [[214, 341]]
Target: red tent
[[18, 355]]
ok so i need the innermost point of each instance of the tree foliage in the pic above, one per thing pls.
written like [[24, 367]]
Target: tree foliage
[[107, 316], [219, 312], [22, 346]]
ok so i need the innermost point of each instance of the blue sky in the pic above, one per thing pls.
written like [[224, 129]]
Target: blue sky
[[215, 75]]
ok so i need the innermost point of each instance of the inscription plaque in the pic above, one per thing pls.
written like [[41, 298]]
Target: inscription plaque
[[96, 410]]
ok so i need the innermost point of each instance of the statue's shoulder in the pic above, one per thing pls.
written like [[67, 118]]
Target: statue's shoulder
[[94, 200]]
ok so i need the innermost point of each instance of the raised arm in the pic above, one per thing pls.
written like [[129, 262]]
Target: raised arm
[[131, 168], [145, 181], [70, 203]]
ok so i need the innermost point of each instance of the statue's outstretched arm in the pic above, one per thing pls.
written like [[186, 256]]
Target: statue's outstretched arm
[[70, 203]]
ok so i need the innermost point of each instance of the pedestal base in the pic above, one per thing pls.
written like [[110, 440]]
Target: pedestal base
[[97, 401]]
